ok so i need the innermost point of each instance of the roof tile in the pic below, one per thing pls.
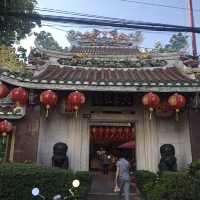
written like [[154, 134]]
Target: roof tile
[[116, 76]]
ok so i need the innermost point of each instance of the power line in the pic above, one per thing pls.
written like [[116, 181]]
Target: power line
[[100, 22], [72, 13], [103, 17], [55, 25], [159, 5]]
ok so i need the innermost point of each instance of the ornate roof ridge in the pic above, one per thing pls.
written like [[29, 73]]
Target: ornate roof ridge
[[111, 68], [108, 47]]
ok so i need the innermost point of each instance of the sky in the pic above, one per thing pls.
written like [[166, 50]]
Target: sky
[[120, 9]]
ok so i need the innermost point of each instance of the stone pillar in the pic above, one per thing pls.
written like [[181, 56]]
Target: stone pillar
[[26, 136], [146, 142]]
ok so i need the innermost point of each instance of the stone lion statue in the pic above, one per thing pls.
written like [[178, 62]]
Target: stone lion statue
[[59, 158], [168, 159]]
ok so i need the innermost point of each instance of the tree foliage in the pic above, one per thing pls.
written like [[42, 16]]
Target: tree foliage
[[21, 53], [176, 43], [137, 38], [9, 59], [45, 40], [13, 29]]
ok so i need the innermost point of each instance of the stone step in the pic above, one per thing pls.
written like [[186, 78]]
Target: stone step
[[109, 196]]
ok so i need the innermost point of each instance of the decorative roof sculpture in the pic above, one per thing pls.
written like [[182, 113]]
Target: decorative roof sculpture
[[103, 38]]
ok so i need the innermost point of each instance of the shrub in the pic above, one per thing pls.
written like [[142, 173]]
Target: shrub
[[85, 181], [194, 167], [17, 181], [173, 186], [144, 177]]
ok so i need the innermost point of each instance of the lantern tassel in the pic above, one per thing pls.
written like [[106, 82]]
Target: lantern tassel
[[4, 138], [17, 108], [177, 114], [47, 111], [150, 113], [76, 111]]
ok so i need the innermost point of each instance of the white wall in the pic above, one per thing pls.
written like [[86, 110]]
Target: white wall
[[176, 133], [150, 135], [60, 127]]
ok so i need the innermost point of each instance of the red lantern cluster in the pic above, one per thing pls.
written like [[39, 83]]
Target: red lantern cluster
[[49, 99], [150, 100], [4, 91], [111, 134], [5, 127], [164, 109]]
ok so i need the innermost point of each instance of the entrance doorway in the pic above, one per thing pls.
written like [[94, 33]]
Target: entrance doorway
[[106, 140]]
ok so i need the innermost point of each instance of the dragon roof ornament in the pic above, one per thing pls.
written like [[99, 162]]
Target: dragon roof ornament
[[103, 38]]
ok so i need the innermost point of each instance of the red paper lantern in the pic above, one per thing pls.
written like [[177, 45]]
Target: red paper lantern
[[93, 132], [107, 133], [92, 135], [48, 98], [99, 133], [113, 132], [119, 130], [76, 99], [4, 91], [19, 96], [5, 127], [150, 100], [177, 101]]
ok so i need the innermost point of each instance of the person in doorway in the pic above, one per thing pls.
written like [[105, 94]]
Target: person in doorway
[[105, 163], [100, 152], [122, 178]]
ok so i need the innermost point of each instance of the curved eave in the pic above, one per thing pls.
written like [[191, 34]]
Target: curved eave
[[133, 87]]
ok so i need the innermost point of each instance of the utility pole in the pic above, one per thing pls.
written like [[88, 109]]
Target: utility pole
[[191, 17]]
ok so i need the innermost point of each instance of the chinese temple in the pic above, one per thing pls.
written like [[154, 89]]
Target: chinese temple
[[101, 92]]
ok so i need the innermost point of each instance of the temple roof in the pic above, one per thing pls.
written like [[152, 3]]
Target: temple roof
[[101, 61], [163, 79]]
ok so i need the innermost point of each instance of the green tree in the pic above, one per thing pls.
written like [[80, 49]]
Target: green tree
[[176, 43], [13, 29], [45, 40]]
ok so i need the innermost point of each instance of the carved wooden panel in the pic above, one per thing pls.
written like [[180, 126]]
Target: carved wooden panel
[[112, 99]]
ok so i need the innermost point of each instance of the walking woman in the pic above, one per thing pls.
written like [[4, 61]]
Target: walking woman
[[122, 178]]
